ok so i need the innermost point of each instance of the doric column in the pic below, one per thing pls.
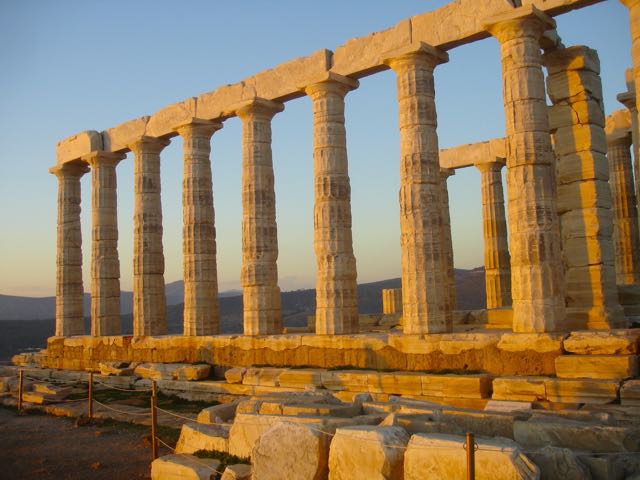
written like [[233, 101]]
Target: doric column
[[449, 276], [69, 289], [634, 22], [336, 284], [424, 293], [537, 276], [625, 219], [105, 262], [584, 199], [201, 315], [149, 308], [497, 261], [260, 291], [391, 301], [628, 99]]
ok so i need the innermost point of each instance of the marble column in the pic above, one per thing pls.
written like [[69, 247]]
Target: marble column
[[391, 301], [537, 274], [497, 260], [628, 99], [259, 277], [336, 284], [584, 199], [634, 23], [149, 302], [201, 309], [105, 261], [449, 275], [625, 221], [424, 293], [69, 288]]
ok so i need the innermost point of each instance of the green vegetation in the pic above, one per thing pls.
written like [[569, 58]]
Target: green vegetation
[[226, 459]]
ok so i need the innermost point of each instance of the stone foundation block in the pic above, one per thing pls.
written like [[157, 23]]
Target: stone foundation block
[[613, 342], [367, 452], [581, 391], [444, 456], [196, 436], [539, 342], [350, 380], [526, 389], [184, 467], [235, 375], [396, 383], [630, 393], [597, 366], [461, 386], [218, 413], [262, 376], [301, 378]]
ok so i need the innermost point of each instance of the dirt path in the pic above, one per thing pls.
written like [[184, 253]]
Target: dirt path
[[44, 447]]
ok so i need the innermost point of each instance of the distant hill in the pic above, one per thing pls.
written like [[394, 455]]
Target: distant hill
[[27, 322]]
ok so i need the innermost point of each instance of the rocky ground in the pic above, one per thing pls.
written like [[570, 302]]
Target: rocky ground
[[44, 447]]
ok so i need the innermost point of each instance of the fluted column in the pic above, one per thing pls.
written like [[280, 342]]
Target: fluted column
[[628, 99], [336, 283], [259, 277], [424, 293], [449, 276], [391, 301], [634, 23], [200, 267], [625, 223], [149, 302], [69, 288], [105, 262], [497, 260], [537, 276]]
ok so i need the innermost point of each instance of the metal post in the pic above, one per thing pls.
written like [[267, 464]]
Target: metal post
[[90, 395], [20, 384], [470, 447], [154, 421]]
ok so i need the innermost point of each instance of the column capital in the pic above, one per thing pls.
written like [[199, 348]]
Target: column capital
[[417, 52], [330, 82], [70, 169], [492, 164], [100, 157], [628, 99], [198, 126], [578, 57], [148, 144], [619, 138], [258, 107], [525, 21]]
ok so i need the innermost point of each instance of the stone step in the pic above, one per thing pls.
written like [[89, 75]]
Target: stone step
[[184, 466], [197, 436], [581, 390], [597, 366], [610, 342], [525, 389]]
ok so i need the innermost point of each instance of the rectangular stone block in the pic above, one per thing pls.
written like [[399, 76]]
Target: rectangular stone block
[[163, 122], [597, 366], [266, 377], [612, 342], [351, 380], [560, 390], [581, 166], [630, 393], [574, 83], [396, 383], [78, 145], [588, 222], [568, 113], [583, 195], [524, 389], [461, 386], [301, 378], [118, 139], [580, 138]]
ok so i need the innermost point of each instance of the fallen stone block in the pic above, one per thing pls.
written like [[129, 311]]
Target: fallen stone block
[[581, 390], [630, 393], [239, 471], [525, 389], [367, 452], [262, 376], [49, 389], [292, 451], [301, 378], [507, 406], [560, 463], [172, 371], [115, 368], [597, 366], [39, 398], [218, 413], [192, 372], [612, 342], [481, 423], [235, 375], [184, 467], [196, 436]]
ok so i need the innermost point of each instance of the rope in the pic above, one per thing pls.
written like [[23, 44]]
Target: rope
[[122, 411], [121, 389], [176, 415]]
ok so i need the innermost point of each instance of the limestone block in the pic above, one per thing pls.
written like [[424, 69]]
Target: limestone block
[[115, 368], [596, 366], [561, 463], [40, 398], [49, 389], [184, 467], [482, 423], [301, 378], [575, 85], [217, 413], [239, 471], [196, 436], [456, 343], [507, 406], [612, 342], [444, 456], [170, 371], [78, 145], [118, 139], [235, 375], [163, 122], [461, 386], [351, 380], [577, 436], [583, 195], [527, 389], [216, 104], [367, 453], [397, 383], [292, 451], [262, 376], [630, 393], [581, 391], [539, 342], [322, 409], [192, 372], [7, 384], [576, 113]]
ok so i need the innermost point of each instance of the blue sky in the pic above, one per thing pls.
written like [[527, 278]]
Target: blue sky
[[74, 65]]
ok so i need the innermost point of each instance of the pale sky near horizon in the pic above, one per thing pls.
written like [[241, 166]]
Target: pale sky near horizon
[[74, 65]]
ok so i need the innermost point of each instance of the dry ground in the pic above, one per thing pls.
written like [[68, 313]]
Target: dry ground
[[43, 447]]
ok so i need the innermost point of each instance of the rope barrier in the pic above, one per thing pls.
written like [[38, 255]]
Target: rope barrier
[[177, 415], [121, 411], [122, 389]]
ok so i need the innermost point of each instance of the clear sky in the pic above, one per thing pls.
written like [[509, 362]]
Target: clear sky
[[73, 65]]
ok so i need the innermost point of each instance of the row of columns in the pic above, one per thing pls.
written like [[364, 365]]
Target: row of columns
[[530, 276]]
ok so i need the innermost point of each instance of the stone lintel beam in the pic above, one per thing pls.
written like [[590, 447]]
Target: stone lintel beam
[[76, 146], [416, 48], [474, 154]]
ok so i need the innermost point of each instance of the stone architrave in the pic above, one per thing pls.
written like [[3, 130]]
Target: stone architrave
[[424, 293], [69, 287], [105, 261], [584, 200], [496, 245], [537, 276], [259, 278], [625, 223], [449, 277], [336, 284], [149, 301], [201, 309]]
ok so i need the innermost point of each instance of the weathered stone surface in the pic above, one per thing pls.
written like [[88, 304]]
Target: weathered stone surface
[[507, 406], [50, 389], [235, 375], [239, 471], [581, 391], [171, 371], [630, 393], [560, 463], [540, 342], [614, 342], [301, 378], [462, 386], [76, 146], [115, 368], [597, 366], [184, 467], [262, 376], [218, 413], [291, 451], [527, 389], [192, 372], [443, 456], [367, 452], [196, 436]]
